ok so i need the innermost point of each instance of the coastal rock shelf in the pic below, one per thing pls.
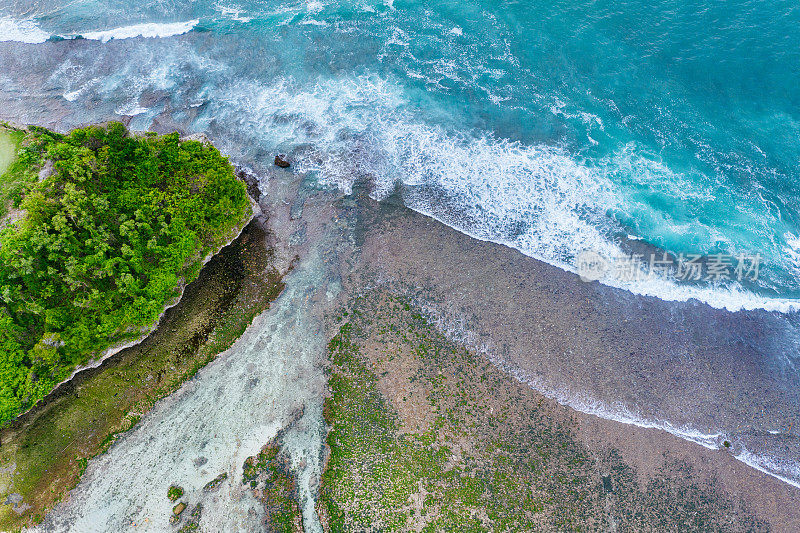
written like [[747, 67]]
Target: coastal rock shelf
[[87, 412]]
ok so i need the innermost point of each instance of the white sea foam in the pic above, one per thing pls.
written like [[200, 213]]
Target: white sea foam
[[71, 96], [233, 12], [314, 22], [27, 31], [23, 31], [131, 110], [786, 472], [149, 29], [793, 249], [536, 198]]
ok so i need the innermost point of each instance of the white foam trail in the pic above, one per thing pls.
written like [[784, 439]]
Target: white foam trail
[[131, 110], [771, 467], [147, 30], [23, 31], [232, 12], [26, 31]]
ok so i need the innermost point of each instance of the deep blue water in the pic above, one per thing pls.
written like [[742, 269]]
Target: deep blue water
[[553, 127]]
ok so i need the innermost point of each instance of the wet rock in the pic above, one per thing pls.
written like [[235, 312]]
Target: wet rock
[[215, 483], [174, 492], [273, 483], [193, 522], [251, 180], [280, 161]]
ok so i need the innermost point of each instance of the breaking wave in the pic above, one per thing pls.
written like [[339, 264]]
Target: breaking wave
[[27, 31]]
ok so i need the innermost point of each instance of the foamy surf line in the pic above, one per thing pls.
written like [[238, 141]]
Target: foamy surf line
[[541, 200], [730, 300], [21, 31], [27, 31], [455, 329]]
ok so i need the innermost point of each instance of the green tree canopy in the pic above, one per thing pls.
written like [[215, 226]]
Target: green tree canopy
[[106, 241]]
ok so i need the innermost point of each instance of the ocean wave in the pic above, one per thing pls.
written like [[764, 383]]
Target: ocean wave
[[27, 31], [537, 198], [22, 31], [147, 30]]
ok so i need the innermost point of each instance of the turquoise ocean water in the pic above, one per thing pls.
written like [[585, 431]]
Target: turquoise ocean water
[[553, 127]]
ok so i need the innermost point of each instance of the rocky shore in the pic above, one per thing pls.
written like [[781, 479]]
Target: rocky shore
[[592, 356]]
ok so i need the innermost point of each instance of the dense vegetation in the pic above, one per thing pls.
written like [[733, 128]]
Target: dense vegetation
[[107, 239]]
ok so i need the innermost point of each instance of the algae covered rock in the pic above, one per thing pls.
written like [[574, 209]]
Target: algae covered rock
[[215, 483], [174, 492]]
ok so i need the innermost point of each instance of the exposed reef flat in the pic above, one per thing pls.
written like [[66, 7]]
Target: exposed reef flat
[[577, 342], [425, 435]]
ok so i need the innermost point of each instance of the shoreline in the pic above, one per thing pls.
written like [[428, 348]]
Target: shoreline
[[661, 288]]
